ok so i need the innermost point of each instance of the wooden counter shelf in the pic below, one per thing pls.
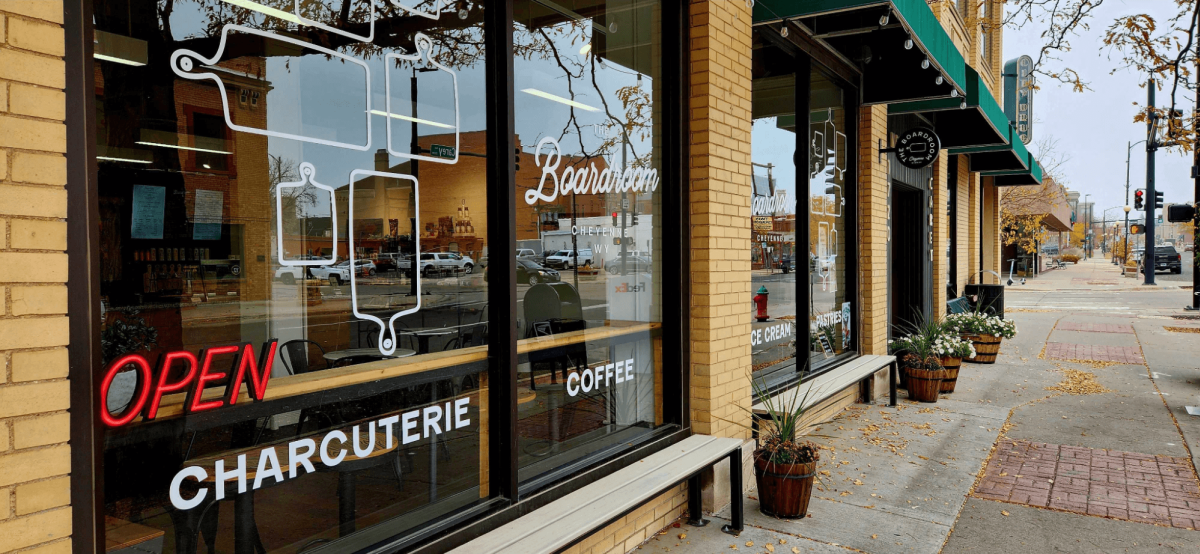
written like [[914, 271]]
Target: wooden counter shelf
[[333, 378]]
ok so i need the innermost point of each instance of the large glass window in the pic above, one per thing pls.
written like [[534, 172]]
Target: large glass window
[[830, 310], [589, 216], [292, 238], [773, 260]]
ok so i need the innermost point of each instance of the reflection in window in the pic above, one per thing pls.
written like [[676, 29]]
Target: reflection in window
[[830, 313], [312, 185], [589, 124]]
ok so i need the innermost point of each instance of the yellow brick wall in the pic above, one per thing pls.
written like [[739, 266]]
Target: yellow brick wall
[[720, 189], [873, 232], [629, 532], [941, 233], [35, 512], [990, 231], [963, 241]]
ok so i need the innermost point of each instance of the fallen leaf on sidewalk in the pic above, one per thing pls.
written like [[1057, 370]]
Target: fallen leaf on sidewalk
[[1078, 383], [770, 547], [749, 543], [1003, 513], [682, 536], [858, 482], [874, 536], [795, 550]]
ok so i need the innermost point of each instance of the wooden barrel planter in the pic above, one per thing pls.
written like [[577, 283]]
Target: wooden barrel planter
[[951, 365], [924, 385], [986, 348], [784, 490]]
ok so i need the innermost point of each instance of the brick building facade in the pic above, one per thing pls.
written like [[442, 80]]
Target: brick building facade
[[40, 511]]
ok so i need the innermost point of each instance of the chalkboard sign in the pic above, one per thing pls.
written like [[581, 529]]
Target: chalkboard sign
[[825, 346]]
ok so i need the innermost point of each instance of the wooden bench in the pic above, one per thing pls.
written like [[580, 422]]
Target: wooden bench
[[834, 381], [565, 521]]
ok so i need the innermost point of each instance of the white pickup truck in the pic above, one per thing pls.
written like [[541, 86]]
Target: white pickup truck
[[432, 263]]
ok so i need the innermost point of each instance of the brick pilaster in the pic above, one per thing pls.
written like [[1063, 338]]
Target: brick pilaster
[[941, 233], [35, 512], [873, 230]]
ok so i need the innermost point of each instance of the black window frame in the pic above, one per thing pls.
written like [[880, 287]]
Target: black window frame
[[805, 52], [508, 499]]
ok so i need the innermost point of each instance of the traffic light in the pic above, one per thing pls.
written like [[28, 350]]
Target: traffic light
[[1137, 229], [1180, 212], [1138, 200], [635, 220], [1158, 199], [615, 219]]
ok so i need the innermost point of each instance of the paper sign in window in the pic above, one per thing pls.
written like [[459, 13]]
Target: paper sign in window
[[148, 206]]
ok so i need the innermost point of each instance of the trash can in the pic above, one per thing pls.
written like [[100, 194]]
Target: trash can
[[988, 299]]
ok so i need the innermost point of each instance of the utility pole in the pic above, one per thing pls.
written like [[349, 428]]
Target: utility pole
[[1195, 200], [1151, 147]]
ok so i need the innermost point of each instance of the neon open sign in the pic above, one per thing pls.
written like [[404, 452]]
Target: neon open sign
[[199, 372]]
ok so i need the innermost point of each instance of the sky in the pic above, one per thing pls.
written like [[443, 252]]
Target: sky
[[1093, 127]]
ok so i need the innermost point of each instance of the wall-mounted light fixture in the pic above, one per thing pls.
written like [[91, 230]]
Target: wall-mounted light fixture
[[111, 47]]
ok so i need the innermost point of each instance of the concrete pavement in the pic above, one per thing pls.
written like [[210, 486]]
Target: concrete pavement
[[1045, 451]]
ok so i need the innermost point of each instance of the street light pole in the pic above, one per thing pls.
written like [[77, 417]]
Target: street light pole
[[1151, 125], [1128, 149]]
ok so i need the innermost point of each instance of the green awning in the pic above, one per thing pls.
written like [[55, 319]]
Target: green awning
[[998, 158], [972, 121], [1018, 178], [891, 72]]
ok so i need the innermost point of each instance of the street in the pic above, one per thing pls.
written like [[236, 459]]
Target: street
[[1076, 440]]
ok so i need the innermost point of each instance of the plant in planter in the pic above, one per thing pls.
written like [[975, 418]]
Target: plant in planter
[[951, 349], [920, 360], [985, 333], [784, 465]]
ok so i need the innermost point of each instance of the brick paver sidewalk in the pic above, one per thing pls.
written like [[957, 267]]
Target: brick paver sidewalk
[[1123, 485], [1096, 327], [1097, 352]]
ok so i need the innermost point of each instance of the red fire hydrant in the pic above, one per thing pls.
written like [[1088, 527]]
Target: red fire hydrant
[[760, 301]]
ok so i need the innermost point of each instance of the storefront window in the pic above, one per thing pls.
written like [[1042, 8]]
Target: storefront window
[[830, 312], [292, 243], [773, 259], [589, 227]]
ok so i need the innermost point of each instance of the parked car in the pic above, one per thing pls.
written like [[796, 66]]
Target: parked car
[[433, 262], [565, 259], [388, 261], [629, 265], [291, 273], [1166, 258], [526, 254], [529, 271], [785, 264], [336, 274], [339, 273]]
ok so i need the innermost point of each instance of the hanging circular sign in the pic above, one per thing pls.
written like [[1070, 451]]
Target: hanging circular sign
[[917, 148]]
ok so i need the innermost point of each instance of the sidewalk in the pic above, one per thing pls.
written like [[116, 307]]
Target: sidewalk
[[1092, 273], [1032, 454]]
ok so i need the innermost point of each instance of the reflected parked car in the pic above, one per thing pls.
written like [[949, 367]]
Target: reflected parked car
[[785, 264], [529, 271], [629, 265]]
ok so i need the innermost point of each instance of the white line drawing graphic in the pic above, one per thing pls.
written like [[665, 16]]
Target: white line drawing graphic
[[369, 37], [307, 177], [183, 61], [410, 7], [424, 48], [826, 194], [387, 331]]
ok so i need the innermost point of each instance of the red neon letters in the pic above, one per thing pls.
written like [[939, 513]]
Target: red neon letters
[[198, 374]]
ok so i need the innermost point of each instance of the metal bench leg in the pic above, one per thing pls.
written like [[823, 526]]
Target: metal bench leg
[[736, 512], [894, 376], [695, 512]]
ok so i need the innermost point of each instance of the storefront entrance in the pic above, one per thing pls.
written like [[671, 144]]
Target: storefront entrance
[[909, 260]]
